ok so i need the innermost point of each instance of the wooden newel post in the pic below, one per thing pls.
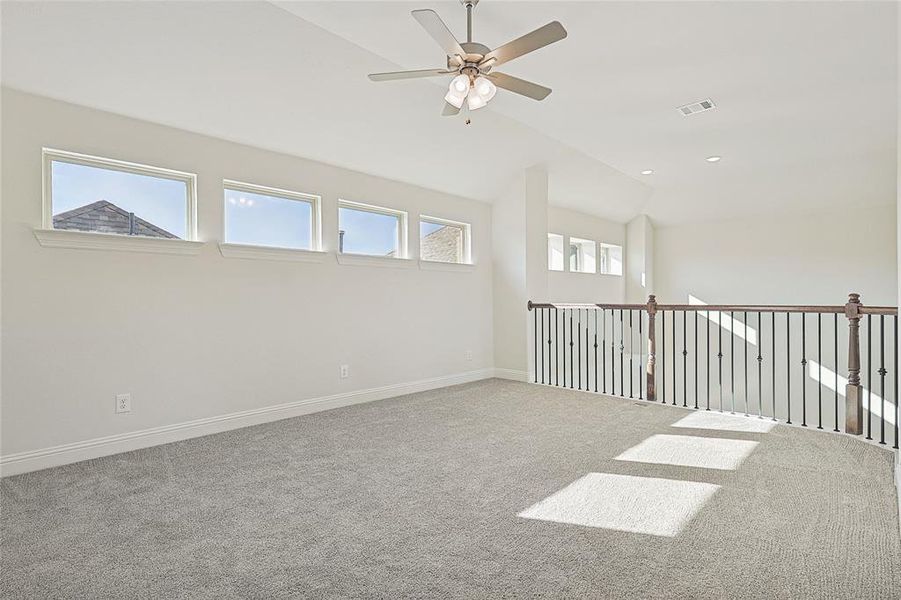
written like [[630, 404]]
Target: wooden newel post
[[652, 349], [853, 391]]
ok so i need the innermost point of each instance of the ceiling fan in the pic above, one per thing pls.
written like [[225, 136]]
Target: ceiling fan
[[472, 63]]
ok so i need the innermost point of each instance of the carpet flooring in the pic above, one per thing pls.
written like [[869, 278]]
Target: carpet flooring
[[420, 497]]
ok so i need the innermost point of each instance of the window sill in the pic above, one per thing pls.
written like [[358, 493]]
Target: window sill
[[364, 260], [85, 240], [434, 265], [248, 251]]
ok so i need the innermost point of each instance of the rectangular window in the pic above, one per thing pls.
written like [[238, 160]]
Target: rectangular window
[[263, 216], [611, 259], [554, 252], [444, 241], [371, 230], [101, 195], [582, 256]]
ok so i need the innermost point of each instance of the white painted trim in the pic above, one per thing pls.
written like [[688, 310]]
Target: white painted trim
[[434, 265], [511, 374], [87, 240], [403, 247], [48, 155], [313, 200], [248, 251], [365, 260], [463, 226], [33, 460]]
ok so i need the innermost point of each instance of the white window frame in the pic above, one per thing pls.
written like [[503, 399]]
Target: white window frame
[[252, 188], [402, 246], [568, 246], [48, 155], [467, 238], [547, 252], [622, 259]]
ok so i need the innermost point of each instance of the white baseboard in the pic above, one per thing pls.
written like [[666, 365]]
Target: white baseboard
[[511, 374], [33, 460]]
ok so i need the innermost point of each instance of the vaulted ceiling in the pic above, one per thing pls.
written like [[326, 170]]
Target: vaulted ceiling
[[806, 94]]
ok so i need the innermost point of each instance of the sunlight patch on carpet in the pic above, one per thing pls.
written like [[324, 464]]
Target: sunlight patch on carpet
[[690, 451], [648, 505], [724, 422]]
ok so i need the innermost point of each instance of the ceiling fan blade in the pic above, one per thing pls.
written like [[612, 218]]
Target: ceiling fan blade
[[519, 86], [436, 28], [541, 37], [449, 110], [409, 74]]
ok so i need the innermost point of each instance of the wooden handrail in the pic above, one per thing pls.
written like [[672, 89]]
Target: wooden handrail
[[853, 310], [779, 308]]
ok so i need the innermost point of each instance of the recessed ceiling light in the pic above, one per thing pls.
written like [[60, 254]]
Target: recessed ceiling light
[[713, 158], [648, 172]]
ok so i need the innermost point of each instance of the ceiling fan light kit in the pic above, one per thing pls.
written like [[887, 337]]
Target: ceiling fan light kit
[[472, 63]]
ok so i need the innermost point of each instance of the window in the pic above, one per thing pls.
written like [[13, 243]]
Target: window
[[262, 216], [611, 259], [100, 195], [554, 252], [443, 241], [371, 230], [582, 256]]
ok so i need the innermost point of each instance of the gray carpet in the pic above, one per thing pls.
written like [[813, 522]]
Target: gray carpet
[[418, 496]]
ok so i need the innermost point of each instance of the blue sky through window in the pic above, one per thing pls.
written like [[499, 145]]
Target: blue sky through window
[[266, 220], [368, 232], [160, 201]]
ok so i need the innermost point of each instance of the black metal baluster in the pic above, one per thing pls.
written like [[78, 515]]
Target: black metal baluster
[[788, 365], [896, 382], [696, 360], [747, 395], [587, 352], [675, 378], [759, 365], [869, 377], [563, 320], [579, 347], [803, 369], [707, 368], [541, 344], [773, 398], [535, 337], [882, 373], [613, 351], [820, 370], [603, 351], [640, 354], [719, 355], [595, 350], [631, 352], [732, 357], [835, 355], [684, 362], [571, 352], [556, 349], [663, 356], [622, 347]]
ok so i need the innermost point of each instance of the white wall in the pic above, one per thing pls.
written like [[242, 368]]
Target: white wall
[[193, 337], [584, 287], [803, 259]]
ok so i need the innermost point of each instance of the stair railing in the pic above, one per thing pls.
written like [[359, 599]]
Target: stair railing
[[702, 351]]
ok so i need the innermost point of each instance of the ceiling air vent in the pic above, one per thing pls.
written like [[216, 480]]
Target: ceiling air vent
[[696, 107]]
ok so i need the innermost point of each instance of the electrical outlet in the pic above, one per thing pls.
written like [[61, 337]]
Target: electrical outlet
[[344, 371], [123, 403], [468, 355]]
